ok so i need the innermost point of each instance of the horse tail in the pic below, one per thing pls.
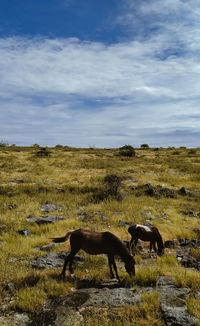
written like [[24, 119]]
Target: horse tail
[[61, 239], [159, 241]]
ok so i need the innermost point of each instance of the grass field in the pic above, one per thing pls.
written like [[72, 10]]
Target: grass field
[[81, 181]]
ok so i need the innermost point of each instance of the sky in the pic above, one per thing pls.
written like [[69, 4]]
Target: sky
[[91, 73]]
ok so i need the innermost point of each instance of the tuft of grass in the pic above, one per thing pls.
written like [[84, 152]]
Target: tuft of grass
[[30, 299], [166, 262], [146, 275], [187, 278], [33, 288], [193, 306]]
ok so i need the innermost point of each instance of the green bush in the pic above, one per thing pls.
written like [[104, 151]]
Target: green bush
[[127, 150]]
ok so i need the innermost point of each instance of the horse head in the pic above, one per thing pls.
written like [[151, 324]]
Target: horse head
[[130, 266]]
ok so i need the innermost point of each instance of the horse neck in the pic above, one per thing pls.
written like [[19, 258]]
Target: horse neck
[[123, 252]]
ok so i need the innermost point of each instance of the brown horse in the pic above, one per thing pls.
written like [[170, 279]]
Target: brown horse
[[95, 243], [147, 233]]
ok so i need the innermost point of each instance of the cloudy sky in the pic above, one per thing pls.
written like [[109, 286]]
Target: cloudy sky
[[100, 73]]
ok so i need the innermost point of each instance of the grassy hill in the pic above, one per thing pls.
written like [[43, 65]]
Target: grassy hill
[[94, 189]]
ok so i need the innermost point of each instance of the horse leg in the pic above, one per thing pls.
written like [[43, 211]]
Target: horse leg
[[110, 266], [112, 263], [115, 268], [154, 246], [135, 244], [69, 259], [131, 246]]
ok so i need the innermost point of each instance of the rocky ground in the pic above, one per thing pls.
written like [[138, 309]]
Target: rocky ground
[[69, 310]]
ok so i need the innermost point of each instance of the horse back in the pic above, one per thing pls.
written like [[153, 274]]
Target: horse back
[[95, 243], [139, 232]]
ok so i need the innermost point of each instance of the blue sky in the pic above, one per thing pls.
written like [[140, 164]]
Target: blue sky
[[100, 73]]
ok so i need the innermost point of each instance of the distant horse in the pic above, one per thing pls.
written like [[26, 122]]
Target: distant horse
[[95, 243], [147, 233]]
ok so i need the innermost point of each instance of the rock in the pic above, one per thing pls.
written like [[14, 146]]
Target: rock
[[8, 286], [12, 206], [88, 283], [167, 192], [67, 316], [150, 190], [177, 316], [170, 244], [24, 232], [48, 247], [184, 242], [165, 216], [122, 223], [165, 281], [69, 310], [156, 191], [60, 190], [16, 181], [146, 213], [148, 223], [52, 260], [187, 213], [51, 207], [184, 191], [45, 219], [172, 303], [16, 319], [189, 262], [84, 215]]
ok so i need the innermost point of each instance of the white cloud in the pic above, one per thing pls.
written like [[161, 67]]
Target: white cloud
[[81, 93]]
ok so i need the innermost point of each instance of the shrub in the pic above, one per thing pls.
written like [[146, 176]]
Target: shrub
[[144, 146], [127, 150], [113, 183], [192, 152], [59, 146], [2, 144], [42, 152]]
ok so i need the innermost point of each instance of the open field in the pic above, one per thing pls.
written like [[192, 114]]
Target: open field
[[158, 186]]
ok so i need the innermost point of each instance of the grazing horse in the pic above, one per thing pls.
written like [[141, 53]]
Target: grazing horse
[[95, 243], [147, 233]]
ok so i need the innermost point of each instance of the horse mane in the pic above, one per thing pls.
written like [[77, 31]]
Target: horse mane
[[122, 249]]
